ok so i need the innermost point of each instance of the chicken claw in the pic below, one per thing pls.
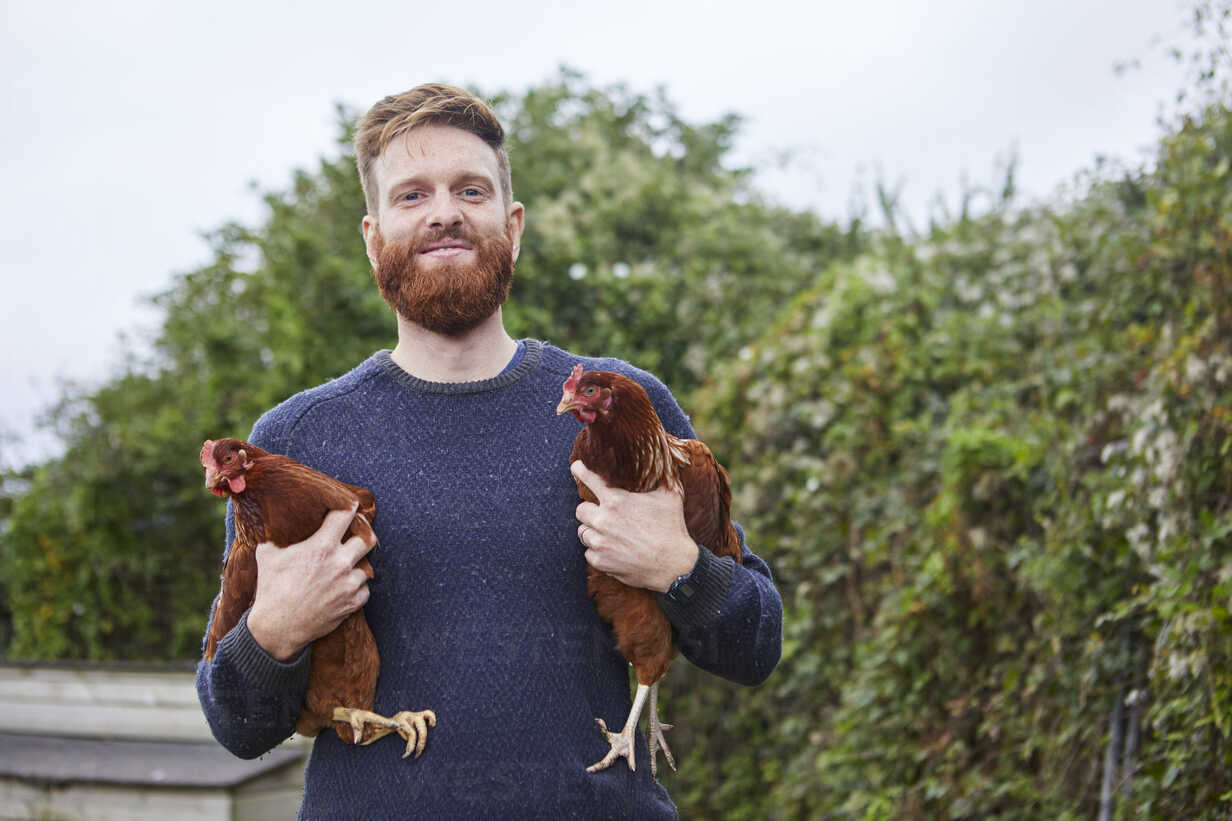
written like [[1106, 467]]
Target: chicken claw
[[622, 745], [411, 725], [654, 734], [622, 742]]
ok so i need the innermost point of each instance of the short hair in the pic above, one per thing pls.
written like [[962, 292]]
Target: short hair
[[431, 103]]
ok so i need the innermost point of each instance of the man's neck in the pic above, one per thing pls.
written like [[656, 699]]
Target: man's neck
[[481, 353]]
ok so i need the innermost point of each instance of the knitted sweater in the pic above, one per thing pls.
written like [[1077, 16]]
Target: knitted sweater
[[478, 605]]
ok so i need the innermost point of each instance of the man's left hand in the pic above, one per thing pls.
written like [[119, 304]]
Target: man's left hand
[[640, 538]]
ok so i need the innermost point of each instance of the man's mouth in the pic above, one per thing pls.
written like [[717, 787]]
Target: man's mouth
[[446, 248]]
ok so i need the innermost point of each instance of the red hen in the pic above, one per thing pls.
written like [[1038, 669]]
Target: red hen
[[624, 442], [279, 500]]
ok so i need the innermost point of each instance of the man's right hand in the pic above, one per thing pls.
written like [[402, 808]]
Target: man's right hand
[[305, 590]]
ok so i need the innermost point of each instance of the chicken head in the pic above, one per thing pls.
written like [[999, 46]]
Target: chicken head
[[586, 395], [225, 462]]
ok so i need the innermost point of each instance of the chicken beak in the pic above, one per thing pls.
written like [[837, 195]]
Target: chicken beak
[[567, 403]]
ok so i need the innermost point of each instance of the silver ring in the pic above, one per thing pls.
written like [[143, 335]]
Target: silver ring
[[582, 530]]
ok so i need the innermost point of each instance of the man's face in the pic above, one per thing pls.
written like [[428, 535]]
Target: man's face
[[444, 241]]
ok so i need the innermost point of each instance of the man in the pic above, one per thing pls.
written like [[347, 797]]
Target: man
[[479, 603]]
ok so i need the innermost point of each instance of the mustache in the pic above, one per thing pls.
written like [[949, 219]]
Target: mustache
[[415, 245]]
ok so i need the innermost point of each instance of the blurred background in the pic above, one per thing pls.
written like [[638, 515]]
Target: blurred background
[[945, 286]]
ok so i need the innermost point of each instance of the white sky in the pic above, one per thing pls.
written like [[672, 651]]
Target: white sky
[[132, 126]]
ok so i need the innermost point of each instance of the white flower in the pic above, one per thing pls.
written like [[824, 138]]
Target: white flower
[[881, 281], [1139, 537], [1195, 368], [821, 318]]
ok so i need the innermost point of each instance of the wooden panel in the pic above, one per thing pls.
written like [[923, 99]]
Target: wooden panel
[[105, 722], [101, 803], [103, 703], [280, 804], [166, 689], [93, 703], [275, 796]]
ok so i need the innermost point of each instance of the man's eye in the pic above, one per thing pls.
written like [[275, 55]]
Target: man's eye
[[471, 192], [411, 197]]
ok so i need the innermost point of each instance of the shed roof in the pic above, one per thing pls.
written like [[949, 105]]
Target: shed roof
[[122, 761]]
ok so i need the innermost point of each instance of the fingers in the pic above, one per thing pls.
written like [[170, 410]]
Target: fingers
[[589, 478], [355, 548], [336, 524], [586, 513], [326, 544], [360, 597]]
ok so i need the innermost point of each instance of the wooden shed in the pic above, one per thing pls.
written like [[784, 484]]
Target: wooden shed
[[128, 743]]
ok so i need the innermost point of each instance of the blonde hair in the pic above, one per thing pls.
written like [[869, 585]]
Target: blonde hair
[[433, 103]]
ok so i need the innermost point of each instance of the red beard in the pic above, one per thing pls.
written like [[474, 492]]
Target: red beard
[[445, 297]]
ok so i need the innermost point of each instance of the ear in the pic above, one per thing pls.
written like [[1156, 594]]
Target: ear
[[368, 227], [515, 223]]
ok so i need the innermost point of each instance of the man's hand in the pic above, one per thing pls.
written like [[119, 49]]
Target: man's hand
[[640, 538], [305, 590]]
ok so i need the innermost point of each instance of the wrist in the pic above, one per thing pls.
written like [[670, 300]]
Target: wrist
[[682, 564], [270, 638]]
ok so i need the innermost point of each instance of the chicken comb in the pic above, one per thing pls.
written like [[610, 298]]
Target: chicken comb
[[575, 376]]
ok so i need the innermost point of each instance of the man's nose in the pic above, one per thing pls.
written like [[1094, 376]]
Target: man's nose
[[444, 213]]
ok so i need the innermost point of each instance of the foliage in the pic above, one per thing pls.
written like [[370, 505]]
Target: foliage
[[991, 470], [112, 550]]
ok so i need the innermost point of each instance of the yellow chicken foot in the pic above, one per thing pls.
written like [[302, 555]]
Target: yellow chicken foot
[[654, 734], [622, 742], [412, 726]]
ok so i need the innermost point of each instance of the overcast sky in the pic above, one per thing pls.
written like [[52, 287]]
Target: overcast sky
[[131, 127]]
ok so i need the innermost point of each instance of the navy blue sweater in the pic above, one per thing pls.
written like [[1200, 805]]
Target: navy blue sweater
[[479, 605]]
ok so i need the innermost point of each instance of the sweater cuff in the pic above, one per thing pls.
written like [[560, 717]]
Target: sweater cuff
[[258, 667], [711, 578]]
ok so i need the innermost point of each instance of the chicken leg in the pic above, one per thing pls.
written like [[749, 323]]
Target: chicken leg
[[412, 726], [654, 734], [622, 742]]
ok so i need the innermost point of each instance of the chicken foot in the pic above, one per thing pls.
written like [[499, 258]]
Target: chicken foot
[[654, 734], [412, 726], [622, 742]]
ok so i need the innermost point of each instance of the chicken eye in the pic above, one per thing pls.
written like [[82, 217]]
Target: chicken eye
[[589, 390], [230, 457]]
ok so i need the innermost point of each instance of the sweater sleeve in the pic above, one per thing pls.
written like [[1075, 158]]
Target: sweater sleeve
[[733, 624], [250, 699]]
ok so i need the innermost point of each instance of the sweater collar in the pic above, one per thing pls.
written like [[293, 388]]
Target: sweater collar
[[530, 359]]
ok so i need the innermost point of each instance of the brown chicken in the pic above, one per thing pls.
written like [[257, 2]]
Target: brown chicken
[[279, 500], [624, 442]]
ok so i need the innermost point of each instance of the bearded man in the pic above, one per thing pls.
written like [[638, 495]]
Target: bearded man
[[479, 604]]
